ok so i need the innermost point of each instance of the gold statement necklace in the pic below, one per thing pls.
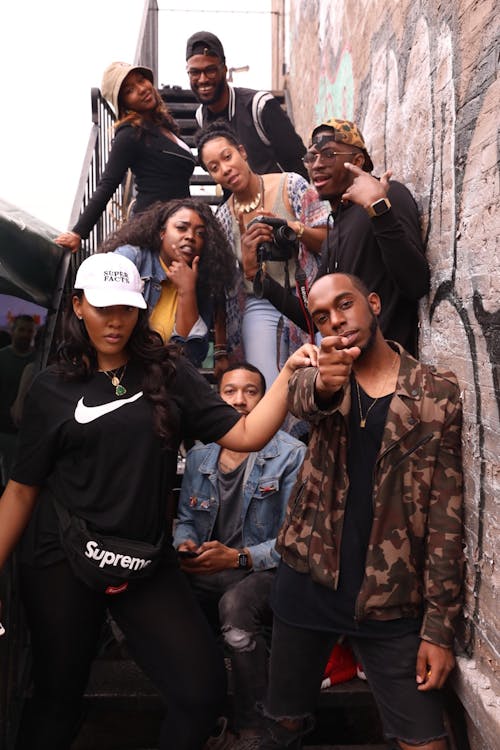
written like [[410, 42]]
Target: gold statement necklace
[[363, 417], [246, 208], [116, 379]]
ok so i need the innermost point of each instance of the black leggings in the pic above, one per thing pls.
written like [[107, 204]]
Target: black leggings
[[167, 635]]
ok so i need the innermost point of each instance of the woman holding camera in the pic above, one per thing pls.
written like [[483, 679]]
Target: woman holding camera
[[266, 336]]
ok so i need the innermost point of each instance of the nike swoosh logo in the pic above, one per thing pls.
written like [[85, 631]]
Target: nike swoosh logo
[[85, 414]]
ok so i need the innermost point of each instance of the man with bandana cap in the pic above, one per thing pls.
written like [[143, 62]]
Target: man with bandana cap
[[257, 117], [373, 232]]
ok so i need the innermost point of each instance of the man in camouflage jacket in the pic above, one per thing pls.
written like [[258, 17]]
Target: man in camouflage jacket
[[371, 545]]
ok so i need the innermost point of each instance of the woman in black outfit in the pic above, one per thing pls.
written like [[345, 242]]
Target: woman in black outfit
[[146, 142], [88, 492]]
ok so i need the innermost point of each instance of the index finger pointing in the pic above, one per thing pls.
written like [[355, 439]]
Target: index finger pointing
[[328, 343]]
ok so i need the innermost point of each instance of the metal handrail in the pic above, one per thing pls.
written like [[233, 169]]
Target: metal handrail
[[99, 146], [94, 164]]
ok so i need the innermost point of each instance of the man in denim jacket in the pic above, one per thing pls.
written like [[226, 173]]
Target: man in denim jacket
[[230, 510]]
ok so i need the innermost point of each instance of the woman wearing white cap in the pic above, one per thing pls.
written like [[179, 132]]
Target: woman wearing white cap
[[97, 453], [146, 142]]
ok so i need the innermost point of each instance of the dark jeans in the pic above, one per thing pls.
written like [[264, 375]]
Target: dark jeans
[[298, 658], [167, 635], [239, 605]]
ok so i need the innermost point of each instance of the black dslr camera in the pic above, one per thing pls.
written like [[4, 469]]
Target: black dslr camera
[[284, 240]]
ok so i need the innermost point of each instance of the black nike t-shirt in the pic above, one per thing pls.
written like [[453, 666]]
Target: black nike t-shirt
[[97, 453]]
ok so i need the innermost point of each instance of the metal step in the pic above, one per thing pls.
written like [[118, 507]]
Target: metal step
[[124, 711], [201, 179], [120, 678]]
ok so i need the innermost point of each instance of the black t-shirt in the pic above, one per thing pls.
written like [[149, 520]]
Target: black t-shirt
[[99, 456], [300, 601]]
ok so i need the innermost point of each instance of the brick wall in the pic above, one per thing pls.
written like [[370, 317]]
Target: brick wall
[[421, 79]]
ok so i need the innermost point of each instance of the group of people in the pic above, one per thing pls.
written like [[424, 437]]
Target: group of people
[[208, 286], [357, 533]]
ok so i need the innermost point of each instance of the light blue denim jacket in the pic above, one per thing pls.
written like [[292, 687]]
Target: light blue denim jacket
[[265, 496], [195, 345]]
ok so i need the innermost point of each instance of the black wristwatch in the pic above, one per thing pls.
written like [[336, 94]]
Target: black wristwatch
[[242, 559], [378, 208]]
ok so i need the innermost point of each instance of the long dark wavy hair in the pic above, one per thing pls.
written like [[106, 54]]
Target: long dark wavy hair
[[217, 129], [159, 116], [77, 360], [217, 266]]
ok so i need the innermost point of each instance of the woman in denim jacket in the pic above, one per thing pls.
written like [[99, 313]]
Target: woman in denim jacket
[[187, 266]]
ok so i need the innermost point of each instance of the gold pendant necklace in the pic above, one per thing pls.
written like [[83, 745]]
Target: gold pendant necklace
[[116, 379], [363, 417], [246, 208]]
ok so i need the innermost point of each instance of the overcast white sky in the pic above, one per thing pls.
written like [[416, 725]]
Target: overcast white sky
[[52, 52]]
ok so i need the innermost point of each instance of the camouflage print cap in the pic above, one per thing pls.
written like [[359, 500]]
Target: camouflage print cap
[[345, 131]]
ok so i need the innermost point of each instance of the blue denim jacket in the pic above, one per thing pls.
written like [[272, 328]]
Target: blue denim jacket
[[195, 345], [265, 496]]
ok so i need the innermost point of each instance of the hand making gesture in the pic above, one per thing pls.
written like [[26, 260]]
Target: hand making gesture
[[181, 274], [335, 362], [365, 188]]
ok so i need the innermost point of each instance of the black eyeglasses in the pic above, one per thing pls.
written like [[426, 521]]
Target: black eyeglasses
[[326, 156], [210, 72]]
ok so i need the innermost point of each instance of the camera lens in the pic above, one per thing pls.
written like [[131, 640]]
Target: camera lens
[[285, 234]]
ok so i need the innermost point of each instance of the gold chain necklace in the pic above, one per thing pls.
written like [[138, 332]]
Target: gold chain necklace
[[363, 418], [246, 208], [116, 379]]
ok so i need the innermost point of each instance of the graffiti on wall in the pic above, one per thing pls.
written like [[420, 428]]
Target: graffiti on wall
[[336, 87], [407, 99]]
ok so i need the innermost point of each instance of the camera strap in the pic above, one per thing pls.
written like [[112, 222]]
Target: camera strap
[[258, 282], [281, 322], [302, 292]]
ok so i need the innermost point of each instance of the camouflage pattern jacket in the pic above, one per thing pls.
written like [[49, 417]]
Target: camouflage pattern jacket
[[414, 561]]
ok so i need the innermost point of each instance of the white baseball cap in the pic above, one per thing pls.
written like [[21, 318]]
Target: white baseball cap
[[110, 279]]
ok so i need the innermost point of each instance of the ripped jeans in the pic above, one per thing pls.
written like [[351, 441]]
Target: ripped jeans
[[298, 658], [236, 602]]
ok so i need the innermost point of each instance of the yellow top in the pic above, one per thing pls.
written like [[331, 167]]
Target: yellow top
[[162, 318]]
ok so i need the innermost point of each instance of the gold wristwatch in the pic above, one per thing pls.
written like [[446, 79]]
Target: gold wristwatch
[[378, 208]]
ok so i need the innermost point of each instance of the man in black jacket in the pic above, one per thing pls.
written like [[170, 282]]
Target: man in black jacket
[[373, 232], [257, 117]]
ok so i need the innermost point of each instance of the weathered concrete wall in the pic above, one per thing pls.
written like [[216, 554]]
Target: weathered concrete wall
[[421, 79]]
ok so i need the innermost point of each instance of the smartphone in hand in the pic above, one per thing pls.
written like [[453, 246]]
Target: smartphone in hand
[[187, 553]]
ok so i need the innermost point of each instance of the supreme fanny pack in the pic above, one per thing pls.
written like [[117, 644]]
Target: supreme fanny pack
[[105, 563]]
